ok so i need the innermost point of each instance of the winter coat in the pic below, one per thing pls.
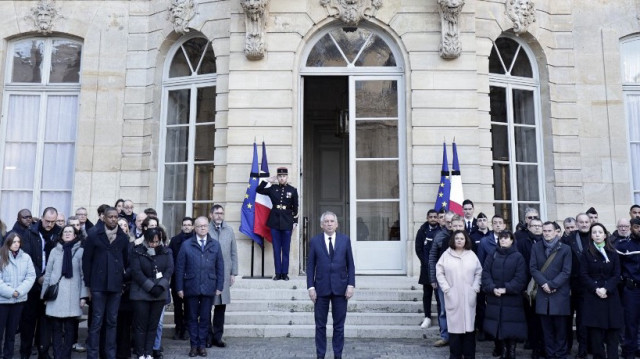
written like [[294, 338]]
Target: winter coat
[[70, 290], [227, 241], [144, 269], [487, 246], [200, 271], [424, 241], [556, 275], [459, 278], [104, 263], [174, 244], [504, 315], [19, 275], [439, 246], [596, 273]]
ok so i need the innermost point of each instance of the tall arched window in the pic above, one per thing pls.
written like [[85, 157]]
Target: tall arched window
[[630, 55], [40, 117], [515, 130], [188, 132]]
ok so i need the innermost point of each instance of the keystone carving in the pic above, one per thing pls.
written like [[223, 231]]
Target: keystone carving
[[44, 15], [255, 23], [450, 47], [180, 13], [522, 14], [351, 12]]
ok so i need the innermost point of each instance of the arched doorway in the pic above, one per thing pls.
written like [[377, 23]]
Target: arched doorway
[[353, 144]]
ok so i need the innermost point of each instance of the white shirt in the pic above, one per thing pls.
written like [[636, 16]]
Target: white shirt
[[333, 241]]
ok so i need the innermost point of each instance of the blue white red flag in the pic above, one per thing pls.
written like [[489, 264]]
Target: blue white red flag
[[444, 188], [456, 196], [247, 214], [263, 202]]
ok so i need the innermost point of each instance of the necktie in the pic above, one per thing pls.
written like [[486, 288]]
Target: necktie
[[468, 226], [330, 248], [202, 243]]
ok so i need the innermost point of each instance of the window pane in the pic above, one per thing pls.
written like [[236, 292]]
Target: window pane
[[525, 144], [179, 66], [528, 183], [195, 49], [172, 214], [208, 64], [522, 66], [19, 160], [632, 107], [370, 135], [498, 99], [325, 54], [201, 209], [504, 210], [635, 165], [376, 53], [203, 182], [23, 117], [507, 48], [376, 98], [61, 118], [495, 66], [630, 53], [175, 182], [501, 182], [351, 42], [205, 142], [177, 144], [378, 221], [27, 61], [522, 209], [523, 108], [178, 107], [58, 199], [206, 103], [500, 142], [377, 179], [65, 61], [58, 166], [13, 201]]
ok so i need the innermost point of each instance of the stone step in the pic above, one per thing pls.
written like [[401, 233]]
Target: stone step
[[364, 319], [308, 331], [303, 294], [362, 282], [362, 306]]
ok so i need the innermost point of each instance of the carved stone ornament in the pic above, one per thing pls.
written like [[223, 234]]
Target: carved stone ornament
[[255, 23], [43, 15], [351, 12], [522, 14], [450, 47], [180, 13]]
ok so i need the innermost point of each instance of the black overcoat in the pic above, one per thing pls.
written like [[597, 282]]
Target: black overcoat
[[595, 272], [556, 276], [104, 263], [144, 269]]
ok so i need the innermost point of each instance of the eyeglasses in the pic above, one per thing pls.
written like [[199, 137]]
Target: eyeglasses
[[623, 226], [531, 217], [218, 213], [202, 226]]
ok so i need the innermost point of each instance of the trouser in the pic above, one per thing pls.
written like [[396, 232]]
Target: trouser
[[178, 312], [631, 306], [33, 323], [481, 306], [217, 327], [63, 339], [157, 344], [123, 334], [534, 328], [442, 316], [146, 315], [339, 314], [577, 306], [462, 345], [105, 310], [281, 240], [598, 337], [10, 315], [554, 330], [199, 312], [427, 297]]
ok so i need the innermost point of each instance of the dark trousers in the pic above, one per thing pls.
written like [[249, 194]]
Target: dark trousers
[[554, 330], [199, 314], [62, 336], [462, 345], [32, 320], [577, 306], [178, 312], [9, 318], [631, 305], [123, 334], [534, 328], [146, 315], [481, 306], [427, 296], [339, 314], [599, 337], [105, 310], [281, 244], [217, 328]]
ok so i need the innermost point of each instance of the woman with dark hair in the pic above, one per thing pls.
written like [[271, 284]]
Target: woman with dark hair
[[17, 276], [504, 278], [458, 272], [119, 205], [600, 274], [151, 266], [64, 269]]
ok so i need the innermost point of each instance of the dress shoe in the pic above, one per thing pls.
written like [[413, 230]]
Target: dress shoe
[[209, 343], [276, 277], [202, 352], [284, 276], [219, 343], [193, 352], [157, 354], [440, 343], [184, 335]]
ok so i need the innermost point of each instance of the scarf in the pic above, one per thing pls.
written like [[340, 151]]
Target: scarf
[[150, 251], [47, 235], [111, 233], [600, 248], [67, 256], [15, 254], [550, 245]]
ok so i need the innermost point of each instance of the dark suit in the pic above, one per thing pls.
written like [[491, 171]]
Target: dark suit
[[330, 278], [474, 225]]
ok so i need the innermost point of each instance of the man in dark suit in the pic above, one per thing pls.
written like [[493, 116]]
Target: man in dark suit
[[330, 279], [470, 223]]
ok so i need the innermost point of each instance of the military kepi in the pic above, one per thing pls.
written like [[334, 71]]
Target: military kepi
[[283, 171]]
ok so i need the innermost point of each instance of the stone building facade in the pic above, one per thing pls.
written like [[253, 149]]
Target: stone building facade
[[160, 101]]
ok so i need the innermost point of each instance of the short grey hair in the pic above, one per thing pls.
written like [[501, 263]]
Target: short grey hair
[[327, 213], [530, 210], [568, 220]]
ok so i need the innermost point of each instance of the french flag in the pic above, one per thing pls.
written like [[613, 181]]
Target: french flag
[[263, 203], [456, 197]]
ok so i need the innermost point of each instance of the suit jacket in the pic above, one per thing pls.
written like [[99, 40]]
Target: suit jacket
[[474, 225], [330, 276]]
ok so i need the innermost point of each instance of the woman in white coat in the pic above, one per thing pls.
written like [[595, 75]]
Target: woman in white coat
[[459, 272]]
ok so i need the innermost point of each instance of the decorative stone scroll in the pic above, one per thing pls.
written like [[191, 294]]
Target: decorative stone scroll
[[522, 14], [351, 12], [44, 15], [180, 13], [450, 47], [255, 23]]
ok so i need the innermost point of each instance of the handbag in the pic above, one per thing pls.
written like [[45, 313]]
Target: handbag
[[532, 287], [52, 292]]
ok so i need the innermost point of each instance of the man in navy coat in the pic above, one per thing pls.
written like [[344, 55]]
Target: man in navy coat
[[330, 279]]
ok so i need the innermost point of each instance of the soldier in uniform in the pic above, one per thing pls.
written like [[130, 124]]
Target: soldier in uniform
[[282, 219]]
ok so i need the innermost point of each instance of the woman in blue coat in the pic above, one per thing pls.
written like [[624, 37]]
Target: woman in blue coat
[[504, 278]]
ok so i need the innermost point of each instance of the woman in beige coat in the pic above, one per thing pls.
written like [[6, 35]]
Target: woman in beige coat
[[459, 272]]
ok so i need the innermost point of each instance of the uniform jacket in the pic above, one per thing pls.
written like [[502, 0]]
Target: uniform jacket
[[144, 269], [70, 290], [617, 237], [284, 212], [330, 276], [476, 237], [459, 278], [487, 246], [504, 315], [424, 241], [556, 275], [474, 225], [104, 263], [19, 275], [229, 248], [440, 244], [595, 272], [200, 271], [629, 252]]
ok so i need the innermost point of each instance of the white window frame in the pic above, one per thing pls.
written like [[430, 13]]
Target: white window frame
[[629, 89]]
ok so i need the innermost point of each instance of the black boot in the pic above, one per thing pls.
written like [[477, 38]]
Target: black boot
[[511, 350], [498, 349]]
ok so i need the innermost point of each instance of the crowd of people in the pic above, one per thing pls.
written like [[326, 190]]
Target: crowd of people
[[528, 286]]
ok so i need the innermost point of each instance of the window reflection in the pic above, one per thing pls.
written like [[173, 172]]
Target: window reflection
[[378, 221], [359, 47]]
